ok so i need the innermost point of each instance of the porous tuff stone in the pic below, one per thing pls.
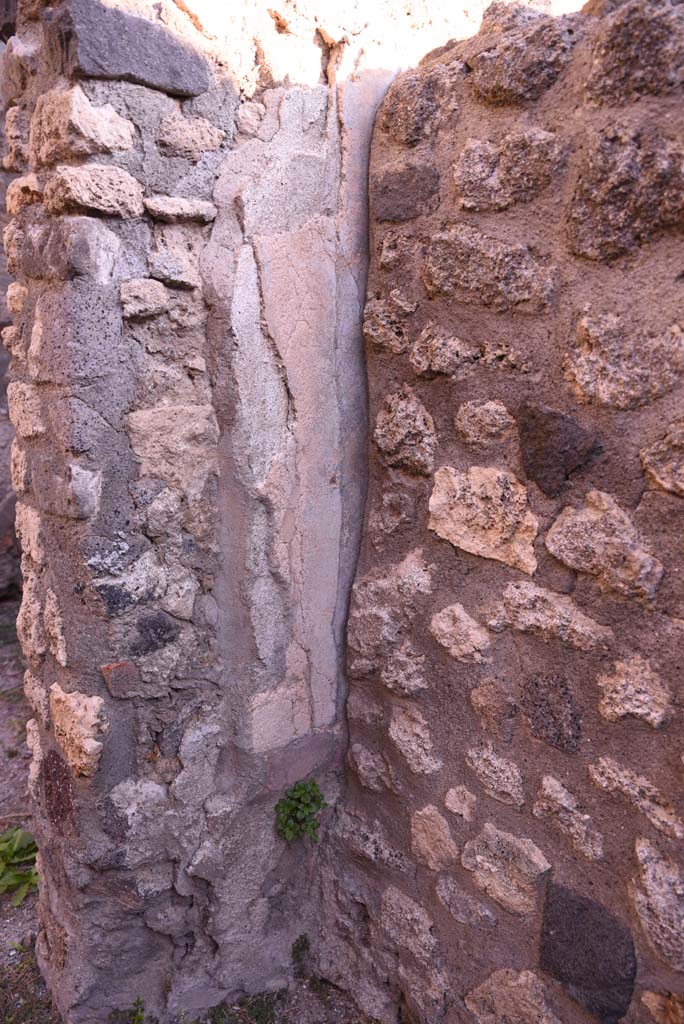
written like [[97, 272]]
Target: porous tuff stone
[[188, 137], [143, 297], [630, 190], [484, 511], [589, 951], [408, 924], [431, 841], [609, 775], [473, 267], [664, 1007], [601, 540], [663, 461], [622, 367], [553, 446], [559, 806], [634, 689], [459, 634], [410, 734], [462, 906], [500, 777], [65, 125], [531, 609], [175, 210], [491, 176], [657, 895], [107, 42], [386, 322], [496, 707], [94, 188], [460, 801], [80, 726], [513, 997], [482, 424], [405, 432], [510, 869]]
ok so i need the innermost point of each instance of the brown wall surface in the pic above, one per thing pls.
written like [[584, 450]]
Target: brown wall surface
[[511, 840]]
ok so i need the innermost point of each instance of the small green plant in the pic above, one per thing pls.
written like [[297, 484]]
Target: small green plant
[[136, 1015], [17, 864], [297, 812]]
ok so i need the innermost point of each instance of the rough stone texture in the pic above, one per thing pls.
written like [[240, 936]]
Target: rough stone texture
[[513, 871], [65, 125], [531, 303], [589, 951], [516, 997], [555, 803], [94, 189], [461, 635], [80, 727], [601, 539], [431, 841], [657, 895], [634, 689], [486, 512], [405, 433]]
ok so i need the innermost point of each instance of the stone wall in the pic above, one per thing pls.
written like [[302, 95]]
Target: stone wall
[[510, 844], [189, 247]]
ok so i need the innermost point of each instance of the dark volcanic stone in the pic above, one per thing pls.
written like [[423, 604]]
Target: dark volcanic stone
[[589, 951], [400, 195], [553, 445], [90, 39], [58, 791], [552, 713], [155, 630]]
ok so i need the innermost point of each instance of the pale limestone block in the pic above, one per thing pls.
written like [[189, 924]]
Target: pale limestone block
[[408, 924], [634, 689], [510, 869], [461, 635], [143, 297], [485, 511], [65, 124], [511, 997], [531, 609], [500, 777], [607, 774], [410, 734], [461, 801], [176, 210], [556, 804], [80, 726], [601, 540], [96, 188], [658, 898], [431, 841]]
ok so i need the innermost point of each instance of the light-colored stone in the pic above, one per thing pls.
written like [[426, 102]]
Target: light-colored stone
[[531, 609], [664, 1007], [24, 191], [188, 137], [37, 697], [65, 125], [556, 804], [176, 210], [461, 801], [431, 841], [25, 409], [279, 717], [483, 423], [500, 777], [473, 267], [408, 924], [464, 907], [80, 726], [607, 774], [485, 511], [658, 898], [435, 351], [372, 770], [403, 671], [496, 707], [176, 444], [95, 188], [54, 628], [493, 177], [29, 527], [511, 997], [370, 842], [461, 635], [663, 461], [249, 117], [634, 689], [143, 297], [16, 298], [175, 255], [37, 753], [405, 432], [386, 322], [510, 869], [410, 734], [601, 540], [612, 367]]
